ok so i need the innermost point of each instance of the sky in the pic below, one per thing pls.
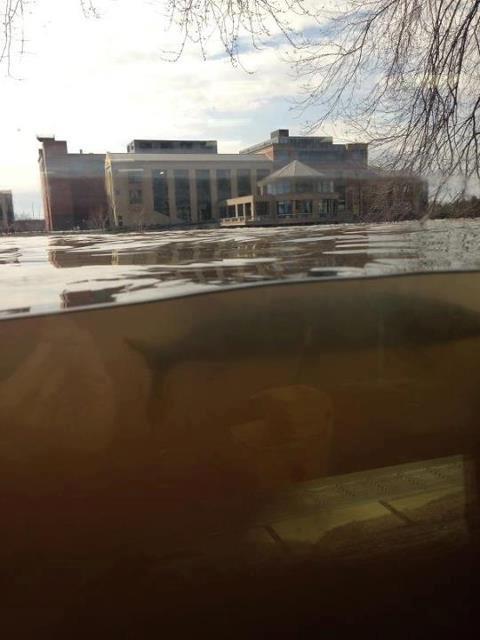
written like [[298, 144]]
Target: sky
[[99, 83]]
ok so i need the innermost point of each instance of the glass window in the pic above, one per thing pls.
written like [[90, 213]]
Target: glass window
[[224, 186], [204, 195], [303, 206], [328, 207], [261, 209], [135, 196], [304, 186], [244, 182], [182, 194], [284, 208], [261, 175], [279, 187], [340, 189], [135, 177], [282, 155], [160, 192], [326, 186]]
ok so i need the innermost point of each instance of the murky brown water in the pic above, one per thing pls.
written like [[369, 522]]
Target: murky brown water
[[301, 455], [52, 273]]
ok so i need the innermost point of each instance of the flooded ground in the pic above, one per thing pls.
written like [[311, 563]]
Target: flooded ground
[[42, 273], [302, 456]]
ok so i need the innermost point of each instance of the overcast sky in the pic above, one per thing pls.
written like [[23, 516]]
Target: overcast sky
[[100, 83]]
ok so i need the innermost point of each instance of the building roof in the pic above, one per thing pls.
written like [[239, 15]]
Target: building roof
[[281, 136], [186, 157], [173, 140], [295, 169]]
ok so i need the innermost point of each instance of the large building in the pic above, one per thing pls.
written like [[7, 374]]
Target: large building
[[6, 210], [162, 189], [284, 180], [282, 148], [315, 180]]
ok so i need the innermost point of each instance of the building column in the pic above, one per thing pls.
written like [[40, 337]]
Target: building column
[[272, 208], [193, 195]]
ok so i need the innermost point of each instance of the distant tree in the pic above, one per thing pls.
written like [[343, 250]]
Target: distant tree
[[406, 75], [99, 218], [462, 208]]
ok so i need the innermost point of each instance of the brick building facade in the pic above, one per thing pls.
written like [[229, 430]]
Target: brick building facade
[[73, 187]]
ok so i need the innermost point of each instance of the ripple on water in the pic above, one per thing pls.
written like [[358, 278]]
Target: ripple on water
[[51, 273]]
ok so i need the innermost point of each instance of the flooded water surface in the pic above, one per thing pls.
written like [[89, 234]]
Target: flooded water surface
[[51, 273]]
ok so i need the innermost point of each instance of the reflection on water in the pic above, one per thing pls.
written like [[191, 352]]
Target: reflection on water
[[45, 274]]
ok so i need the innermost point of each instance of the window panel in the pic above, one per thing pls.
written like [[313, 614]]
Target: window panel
[[244, 182], [224, 186], [204, 195], [160, 192], [182, 194]]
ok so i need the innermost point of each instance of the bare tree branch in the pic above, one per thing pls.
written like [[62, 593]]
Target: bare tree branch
[[12, 13], [404, 74]]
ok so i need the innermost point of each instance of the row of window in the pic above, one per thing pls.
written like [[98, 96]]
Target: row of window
[[300, 186], [305, 207], [144, 145], [320, 156], [182, 190], [283, 208]]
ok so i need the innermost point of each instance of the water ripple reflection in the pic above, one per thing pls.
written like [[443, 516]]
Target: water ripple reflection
[[43, 273]]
